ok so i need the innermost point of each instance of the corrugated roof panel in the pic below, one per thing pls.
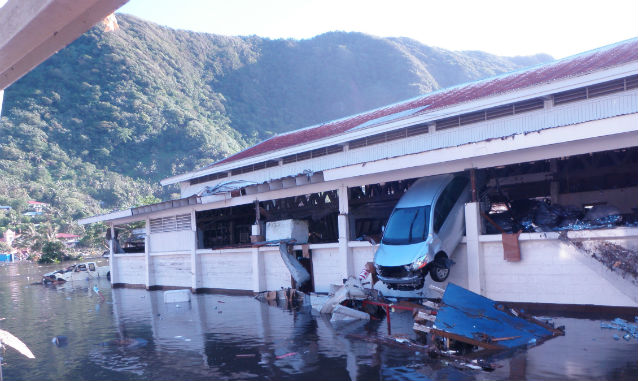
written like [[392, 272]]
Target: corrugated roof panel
[[584, 63]]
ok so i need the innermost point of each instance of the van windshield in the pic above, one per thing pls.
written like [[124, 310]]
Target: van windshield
[[407, 226]]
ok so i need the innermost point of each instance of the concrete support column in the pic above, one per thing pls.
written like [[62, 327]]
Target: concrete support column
[[259, 276], [111, 254], [345, 254], [195, 270], [554, 185], [475, 260], [147, 253]]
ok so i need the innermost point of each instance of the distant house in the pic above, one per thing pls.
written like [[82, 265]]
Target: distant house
[[37, 206], [70, 240], [9, 237], [4, 208]]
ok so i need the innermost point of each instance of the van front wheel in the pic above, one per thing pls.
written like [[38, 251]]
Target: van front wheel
[[440, 270]]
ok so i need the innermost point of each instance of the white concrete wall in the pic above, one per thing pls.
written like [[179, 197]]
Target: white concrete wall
[[171, 241], [275, 272], [172, 269], [229, 269], [549, 272], [362, 253], [131, 269], [458, 272], [327, 267]]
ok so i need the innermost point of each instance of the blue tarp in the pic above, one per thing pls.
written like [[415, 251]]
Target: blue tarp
[[464, 313], [6, 257]]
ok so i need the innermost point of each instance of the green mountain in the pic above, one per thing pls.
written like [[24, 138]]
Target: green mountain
[[98, 124]]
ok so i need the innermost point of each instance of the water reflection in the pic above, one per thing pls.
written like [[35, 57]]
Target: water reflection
[[133, 334]]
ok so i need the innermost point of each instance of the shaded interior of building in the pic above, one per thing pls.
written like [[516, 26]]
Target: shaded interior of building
[[567, 188]]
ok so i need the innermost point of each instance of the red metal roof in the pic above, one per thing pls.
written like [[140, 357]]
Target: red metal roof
[[581, 64], [66, 235]]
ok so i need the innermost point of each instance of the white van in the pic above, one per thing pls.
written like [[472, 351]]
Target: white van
[[422, 232]]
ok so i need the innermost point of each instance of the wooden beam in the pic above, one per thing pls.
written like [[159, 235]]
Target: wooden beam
[[33, 30]]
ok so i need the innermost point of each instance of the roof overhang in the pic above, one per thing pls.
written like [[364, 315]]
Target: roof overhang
[[137, 212], [33, 30]]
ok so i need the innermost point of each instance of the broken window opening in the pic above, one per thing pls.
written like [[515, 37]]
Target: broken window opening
[[129, 238], [581, 192]]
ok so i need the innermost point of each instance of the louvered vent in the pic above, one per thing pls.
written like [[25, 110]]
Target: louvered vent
[[606, 88], [499, 112], [529, 105], [417, 130], [211, 177], [570, 96], [357, 143], [171, 224], [472, 118], [442, 124], [597, 90]]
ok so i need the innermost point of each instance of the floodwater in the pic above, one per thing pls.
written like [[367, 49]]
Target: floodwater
[[133, 335]]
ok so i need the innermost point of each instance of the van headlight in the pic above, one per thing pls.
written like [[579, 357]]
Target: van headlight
[[419, 263]]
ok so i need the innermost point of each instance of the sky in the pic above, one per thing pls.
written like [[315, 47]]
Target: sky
[[504, 27]]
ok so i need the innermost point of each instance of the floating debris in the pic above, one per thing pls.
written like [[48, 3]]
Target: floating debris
[[475, 320]]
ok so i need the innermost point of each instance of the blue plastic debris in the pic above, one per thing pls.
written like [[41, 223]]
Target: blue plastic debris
[[616, 337], [622, 325], [477, 320], [627, 337]]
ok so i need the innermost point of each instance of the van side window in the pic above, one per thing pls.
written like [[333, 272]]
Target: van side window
[[446, 201]]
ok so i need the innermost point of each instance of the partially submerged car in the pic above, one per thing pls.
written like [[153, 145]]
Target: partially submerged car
[[78, 272], [422, 232]]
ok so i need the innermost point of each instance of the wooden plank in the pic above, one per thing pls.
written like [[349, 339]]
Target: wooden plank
[[421, 328], [465, 339], [422, 315]]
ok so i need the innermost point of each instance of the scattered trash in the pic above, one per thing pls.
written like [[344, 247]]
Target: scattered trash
[[286, 355], [60, 341], [343, 313], [352, 289], [97, 291], [289, 297], [542, 216], [177, 296], [622, 325]]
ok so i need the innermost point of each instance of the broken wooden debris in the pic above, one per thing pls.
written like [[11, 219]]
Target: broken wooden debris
[[352, 289], [476, 320], [289, 296], [343, 313]]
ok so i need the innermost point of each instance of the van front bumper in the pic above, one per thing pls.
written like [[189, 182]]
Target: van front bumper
[[400, 276]]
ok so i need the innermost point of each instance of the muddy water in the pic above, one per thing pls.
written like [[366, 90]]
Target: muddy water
[[133, 335]]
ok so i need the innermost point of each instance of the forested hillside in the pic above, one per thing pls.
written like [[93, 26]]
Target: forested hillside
[[96, 126]]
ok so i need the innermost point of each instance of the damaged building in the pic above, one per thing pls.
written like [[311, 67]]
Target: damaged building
[[551, 152]]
